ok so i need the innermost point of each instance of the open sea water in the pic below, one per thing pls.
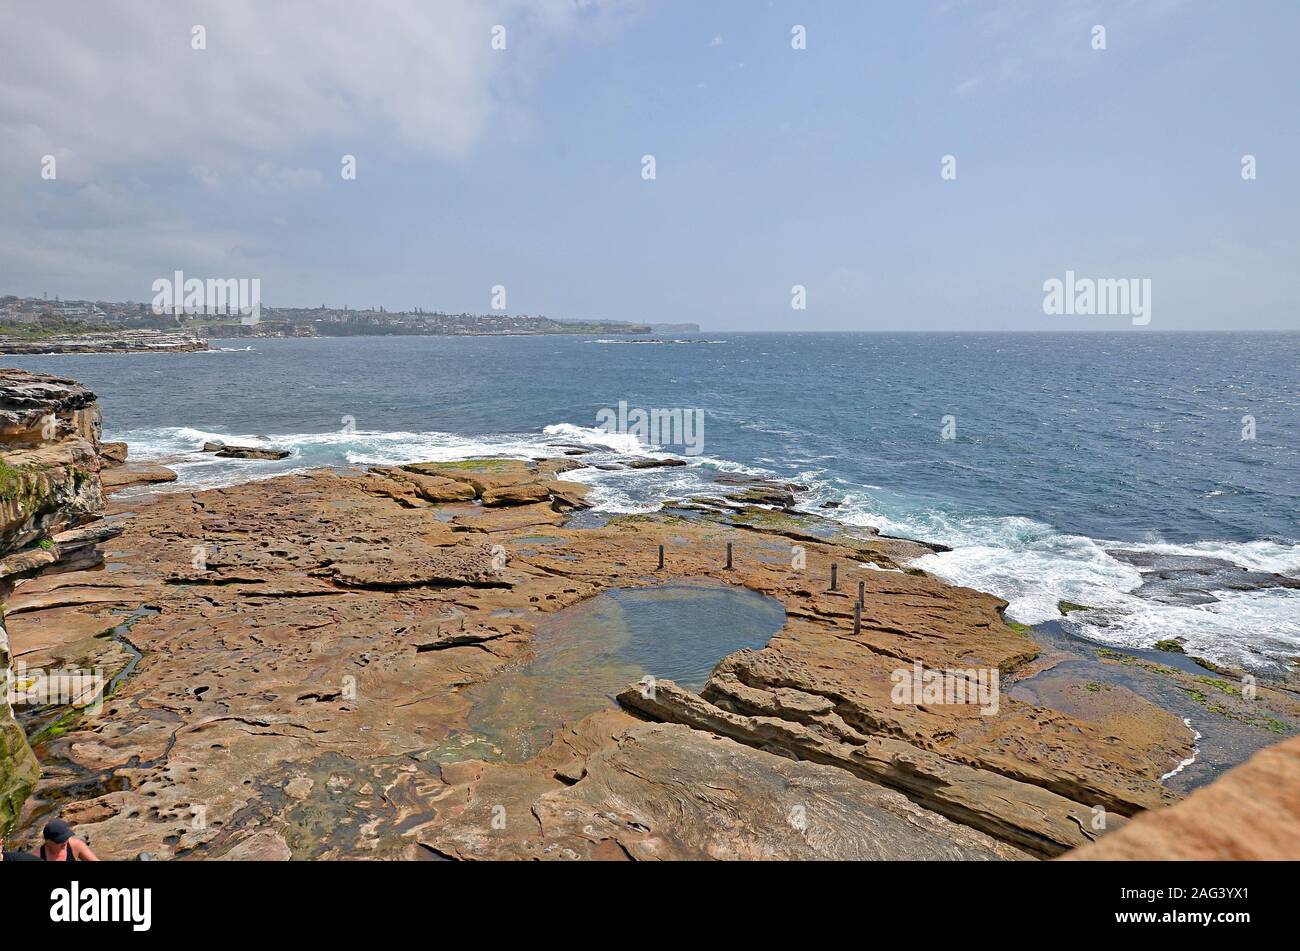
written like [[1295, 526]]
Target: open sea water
[[1079, 461]]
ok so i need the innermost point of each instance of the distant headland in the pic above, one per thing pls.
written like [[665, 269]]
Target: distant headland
[[40, 325]]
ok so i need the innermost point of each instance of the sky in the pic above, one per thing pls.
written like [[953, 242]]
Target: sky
[[774, 166]]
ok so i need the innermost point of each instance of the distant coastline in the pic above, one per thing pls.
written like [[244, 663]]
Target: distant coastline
[[33, 325]]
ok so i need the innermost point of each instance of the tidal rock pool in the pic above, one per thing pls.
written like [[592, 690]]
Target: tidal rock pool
[[584, 655]]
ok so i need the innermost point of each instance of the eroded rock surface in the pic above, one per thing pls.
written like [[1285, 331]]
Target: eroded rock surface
[[49, 483], [49, 444], [665, 791], [296, 647]]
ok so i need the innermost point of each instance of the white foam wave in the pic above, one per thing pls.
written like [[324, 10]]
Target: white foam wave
[[615, 489], [598, 438], [1029, 563], [1034, 567]]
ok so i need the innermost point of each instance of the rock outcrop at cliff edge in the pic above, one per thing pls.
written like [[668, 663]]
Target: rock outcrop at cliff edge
[[49, 481], [1251, 812], [49, 456]]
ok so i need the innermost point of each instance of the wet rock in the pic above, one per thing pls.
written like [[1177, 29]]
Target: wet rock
[[567, 496], [251, 452], [655, 463], [1193, 579], [765, 494]]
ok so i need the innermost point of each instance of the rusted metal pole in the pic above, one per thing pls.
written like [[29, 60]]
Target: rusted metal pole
[[728, 555], [661, 557], [835, 577], [857, 619]]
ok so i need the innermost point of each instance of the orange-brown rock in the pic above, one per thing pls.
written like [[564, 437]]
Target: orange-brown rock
[[136, 473], [299, 647], [1251, 812], [112, 453], [49, 482], [613, 788]]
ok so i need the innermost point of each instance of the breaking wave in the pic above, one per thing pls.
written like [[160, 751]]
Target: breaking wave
[[1029, 563]]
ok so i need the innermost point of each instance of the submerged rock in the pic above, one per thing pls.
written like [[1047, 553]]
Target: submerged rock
[[251, 452], [1194, 579]]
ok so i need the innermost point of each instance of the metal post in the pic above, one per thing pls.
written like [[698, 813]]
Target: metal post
[[857, 619], [728, 554], [835, 579], [661, 557], [862, 586]]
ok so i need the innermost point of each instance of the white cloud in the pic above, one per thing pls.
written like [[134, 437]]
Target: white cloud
[[140, 122], [113, 84]]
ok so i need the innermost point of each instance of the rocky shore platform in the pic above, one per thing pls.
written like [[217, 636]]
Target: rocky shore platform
[[297, 668], [128, 341]]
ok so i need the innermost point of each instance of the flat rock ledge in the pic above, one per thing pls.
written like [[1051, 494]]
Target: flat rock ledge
[[1030, 817], [616, 789], [299, 648], [128, 341]]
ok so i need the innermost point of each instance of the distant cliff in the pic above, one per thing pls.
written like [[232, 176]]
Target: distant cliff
[[116, 341], [49, 482]]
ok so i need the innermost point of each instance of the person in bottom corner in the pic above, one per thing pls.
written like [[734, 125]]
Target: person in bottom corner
[[61, 845]]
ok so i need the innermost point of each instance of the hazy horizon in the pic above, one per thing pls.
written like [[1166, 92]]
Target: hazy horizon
[[775, 166]]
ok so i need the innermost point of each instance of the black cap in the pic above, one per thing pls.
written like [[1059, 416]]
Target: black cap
[[57, 831]]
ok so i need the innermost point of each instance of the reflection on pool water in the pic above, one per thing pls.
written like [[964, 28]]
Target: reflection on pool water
[[584, 655]]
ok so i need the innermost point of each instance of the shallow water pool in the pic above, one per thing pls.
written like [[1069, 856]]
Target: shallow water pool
[[583, 656]]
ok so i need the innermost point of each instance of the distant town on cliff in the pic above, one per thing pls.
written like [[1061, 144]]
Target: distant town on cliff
[[34, 318]]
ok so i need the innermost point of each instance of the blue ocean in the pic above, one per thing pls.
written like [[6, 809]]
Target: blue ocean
[[1055, 466]]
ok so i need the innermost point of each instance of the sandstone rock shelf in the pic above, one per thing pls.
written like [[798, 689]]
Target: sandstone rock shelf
[[49, 485], [298, 647]]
